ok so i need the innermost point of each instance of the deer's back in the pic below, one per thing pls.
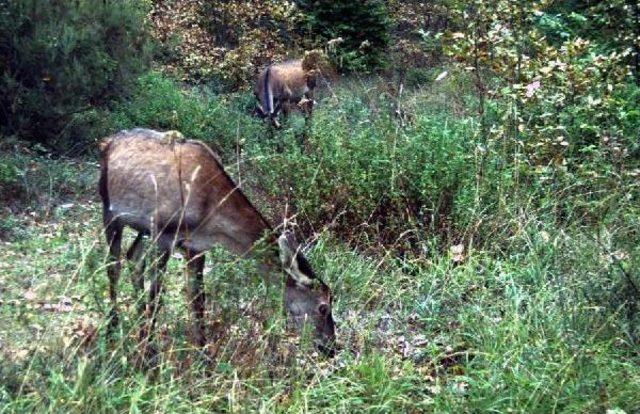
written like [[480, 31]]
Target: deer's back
[[176, 188], [288, 80]]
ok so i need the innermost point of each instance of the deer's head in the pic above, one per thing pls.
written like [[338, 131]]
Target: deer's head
[[307, 298]]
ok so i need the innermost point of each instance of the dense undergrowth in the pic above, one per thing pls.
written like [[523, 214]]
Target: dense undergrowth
[[467, 277]]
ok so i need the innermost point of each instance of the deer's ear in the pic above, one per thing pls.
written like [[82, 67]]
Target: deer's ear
[[293, 262]]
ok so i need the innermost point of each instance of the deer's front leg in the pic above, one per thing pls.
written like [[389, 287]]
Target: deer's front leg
[[155, 292], [307, 104], [152, 308]]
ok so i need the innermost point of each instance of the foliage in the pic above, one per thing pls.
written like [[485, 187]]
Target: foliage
[[223, 44], [62, 61], [9, 174], [162, 103], [389, 177], [611, 25], [363, 28], [561, 104], [416, 37]]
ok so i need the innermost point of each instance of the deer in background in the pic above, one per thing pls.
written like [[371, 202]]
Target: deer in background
[[281, 85], [177, 192]]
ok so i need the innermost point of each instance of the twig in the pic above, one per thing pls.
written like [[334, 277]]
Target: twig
[[618, 263]]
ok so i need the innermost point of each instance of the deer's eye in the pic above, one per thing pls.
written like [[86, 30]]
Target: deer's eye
[[323, 309]]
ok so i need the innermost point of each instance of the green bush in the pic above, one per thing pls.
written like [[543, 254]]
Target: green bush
[[362, 25], [359, 167], [61, 61], [222, 121], [9, 173], [374, 175]]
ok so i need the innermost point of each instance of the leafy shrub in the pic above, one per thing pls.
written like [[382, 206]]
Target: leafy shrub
[[556, 109], [612, 25], [9, 174], [62, 60], [223, 44], [162, 103], [360, 169], [362, 25], [557, 93]]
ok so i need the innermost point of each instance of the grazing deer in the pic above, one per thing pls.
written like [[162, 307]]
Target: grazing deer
[[177, 192], [283, 84]]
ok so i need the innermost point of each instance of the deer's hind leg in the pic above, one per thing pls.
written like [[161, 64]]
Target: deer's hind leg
[[113, 233], [306, 106], [196, 296], [152, 307], [136, 255], [156, 287]]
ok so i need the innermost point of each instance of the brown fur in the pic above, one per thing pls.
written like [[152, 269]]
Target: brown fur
[[177, 191], [289, 84], [194, 200]]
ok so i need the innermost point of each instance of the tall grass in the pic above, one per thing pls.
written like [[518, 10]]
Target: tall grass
[[525, 332]]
